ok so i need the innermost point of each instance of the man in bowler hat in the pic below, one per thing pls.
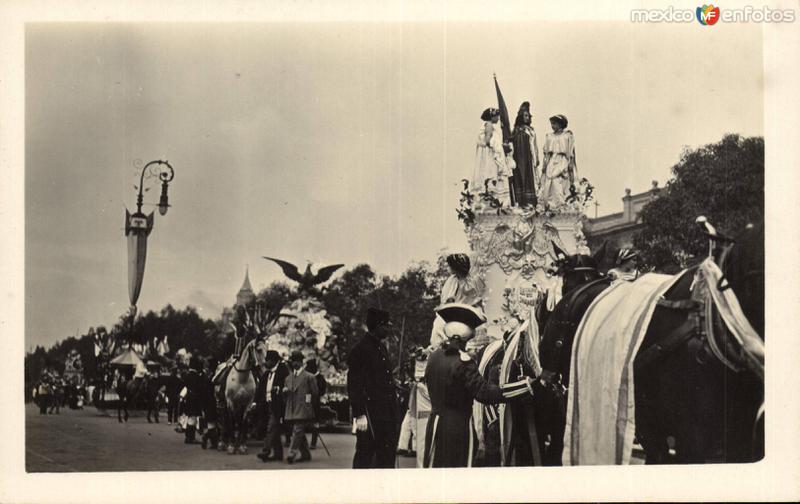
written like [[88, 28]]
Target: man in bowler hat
[[373, 395], [300, 394], [269, 400]]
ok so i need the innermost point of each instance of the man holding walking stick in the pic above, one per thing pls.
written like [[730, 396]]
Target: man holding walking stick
[[373, 396]]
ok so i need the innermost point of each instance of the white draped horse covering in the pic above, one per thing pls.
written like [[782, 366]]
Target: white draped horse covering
[[600, 406]]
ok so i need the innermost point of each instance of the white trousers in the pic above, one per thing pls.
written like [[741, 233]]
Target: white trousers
[[408, 432]]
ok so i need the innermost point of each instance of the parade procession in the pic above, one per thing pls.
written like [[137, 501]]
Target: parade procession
[[462, 305], [537, 354]]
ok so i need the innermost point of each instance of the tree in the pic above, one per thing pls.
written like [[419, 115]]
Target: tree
[[412, 297], [723, 181], [346, 299]]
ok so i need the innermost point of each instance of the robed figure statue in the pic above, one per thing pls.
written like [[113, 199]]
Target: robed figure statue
[[526, 157]]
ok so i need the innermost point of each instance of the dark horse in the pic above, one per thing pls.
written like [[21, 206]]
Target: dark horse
[[686, 396], [690, 407], [582, 283], [139, 392]]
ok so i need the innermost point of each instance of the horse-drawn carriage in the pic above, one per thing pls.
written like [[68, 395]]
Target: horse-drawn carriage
[[675, 362]]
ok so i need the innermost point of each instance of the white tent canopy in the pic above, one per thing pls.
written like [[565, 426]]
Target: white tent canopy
[[127, 358]]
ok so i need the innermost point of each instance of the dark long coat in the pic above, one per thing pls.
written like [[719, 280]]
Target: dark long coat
[[277, 404], [370, 384], [453, 383]]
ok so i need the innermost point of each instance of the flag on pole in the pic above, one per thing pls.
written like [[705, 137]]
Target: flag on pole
[[505, 125], [501, 105]]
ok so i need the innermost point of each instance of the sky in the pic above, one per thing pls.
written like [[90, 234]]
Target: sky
[[334, 142]]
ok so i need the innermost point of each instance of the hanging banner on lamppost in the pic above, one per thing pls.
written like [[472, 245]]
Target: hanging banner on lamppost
[[139, 225], [137, 229]]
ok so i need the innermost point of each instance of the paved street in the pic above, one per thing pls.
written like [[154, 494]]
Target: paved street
[[88, 440]]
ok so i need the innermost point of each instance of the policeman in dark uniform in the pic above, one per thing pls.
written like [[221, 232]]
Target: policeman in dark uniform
[[454, 383], [373, 396]]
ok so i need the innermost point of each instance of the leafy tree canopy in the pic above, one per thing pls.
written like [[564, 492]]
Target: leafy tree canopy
[[723, 181]]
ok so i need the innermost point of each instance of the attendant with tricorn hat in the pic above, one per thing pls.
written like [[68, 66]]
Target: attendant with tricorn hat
[[454, 383], [373, 396]]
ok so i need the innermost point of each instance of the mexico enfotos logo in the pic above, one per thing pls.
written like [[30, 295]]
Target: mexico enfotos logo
[[709, 15]]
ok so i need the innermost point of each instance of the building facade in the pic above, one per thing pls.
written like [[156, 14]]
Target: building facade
[[618, 229]]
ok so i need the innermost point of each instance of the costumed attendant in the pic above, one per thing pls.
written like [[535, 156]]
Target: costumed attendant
[[491, 163], [460, 287], [407, 444], [453, 383], [560, 169], [626, 270]]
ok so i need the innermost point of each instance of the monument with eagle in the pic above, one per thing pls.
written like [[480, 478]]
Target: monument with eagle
[[304, 325]]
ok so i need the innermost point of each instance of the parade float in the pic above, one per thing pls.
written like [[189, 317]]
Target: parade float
[[513, 251], [521, 212]]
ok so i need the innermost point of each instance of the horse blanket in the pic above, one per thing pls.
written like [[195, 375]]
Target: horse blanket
[[600, 407]]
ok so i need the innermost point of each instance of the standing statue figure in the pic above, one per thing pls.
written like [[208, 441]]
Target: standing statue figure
[[526, 157], [491, 162], [560, 170]]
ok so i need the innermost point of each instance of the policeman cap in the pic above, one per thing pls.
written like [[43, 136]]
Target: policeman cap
[[377, 317]]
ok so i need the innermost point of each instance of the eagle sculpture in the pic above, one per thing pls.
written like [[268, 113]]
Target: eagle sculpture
[[307, 280]]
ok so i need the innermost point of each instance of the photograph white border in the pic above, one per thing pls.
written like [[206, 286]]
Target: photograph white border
[[775, 478]]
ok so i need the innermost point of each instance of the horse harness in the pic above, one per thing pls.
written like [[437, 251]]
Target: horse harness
[[569, 325], [704, 324]]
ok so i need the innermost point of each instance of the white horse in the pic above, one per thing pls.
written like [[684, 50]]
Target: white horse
[[240, 390]]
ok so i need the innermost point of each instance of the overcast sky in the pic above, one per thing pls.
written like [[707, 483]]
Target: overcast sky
[[329, 142]]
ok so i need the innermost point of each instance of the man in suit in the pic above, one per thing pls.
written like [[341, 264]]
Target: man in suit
[[300, 394], [373, 396], [269, 400]]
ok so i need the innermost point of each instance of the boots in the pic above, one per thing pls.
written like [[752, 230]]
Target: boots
[[189, 434], [211, 437]]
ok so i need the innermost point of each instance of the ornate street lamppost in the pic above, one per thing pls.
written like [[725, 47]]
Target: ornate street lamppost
[[139, 225]]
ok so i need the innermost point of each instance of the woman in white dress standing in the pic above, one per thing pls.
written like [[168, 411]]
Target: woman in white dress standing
[[490, 158], [460, 287], [560, 170]]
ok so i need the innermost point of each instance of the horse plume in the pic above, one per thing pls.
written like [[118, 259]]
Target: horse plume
[[307, 280]]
